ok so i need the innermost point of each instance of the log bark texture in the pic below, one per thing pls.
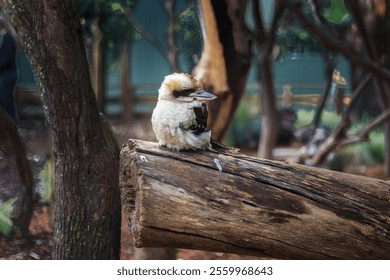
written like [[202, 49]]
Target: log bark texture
[[235, 203]]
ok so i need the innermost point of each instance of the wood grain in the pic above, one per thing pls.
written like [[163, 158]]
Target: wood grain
[[240, 204]]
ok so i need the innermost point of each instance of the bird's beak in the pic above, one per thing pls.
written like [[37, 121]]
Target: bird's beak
[[203, 95]]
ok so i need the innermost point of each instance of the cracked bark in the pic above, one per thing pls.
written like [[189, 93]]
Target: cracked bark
[[253, 206]]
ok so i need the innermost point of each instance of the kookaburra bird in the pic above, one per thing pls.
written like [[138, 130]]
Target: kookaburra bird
[[180, 117]]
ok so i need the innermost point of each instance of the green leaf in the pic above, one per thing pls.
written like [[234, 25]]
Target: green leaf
[[337, 13], [117, 7], [46, 179], [6, 209]]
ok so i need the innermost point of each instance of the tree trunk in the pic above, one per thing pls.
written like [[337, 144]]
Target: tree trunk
[[240, 204], [87, 200], [264, 45], [98, 64], [269, 125], [126, 90], [172, 51], [225, 61]]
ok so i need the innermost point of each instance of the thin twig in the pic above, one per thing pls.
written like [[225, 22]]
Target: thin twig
[[146, 34], [362, 135], [261, 36], [329, 68], [339, 133], [356, 93]]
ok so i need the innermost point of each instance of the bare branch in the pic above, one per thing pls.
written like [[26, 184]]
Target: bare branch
[[259, 32], [261, 36], [319, 18], [356, 93], [362, 135], [329, 68], [278, 12], [160, 47], [339, 133], [353, 7], [335, 44], [264, 43], [172, 49]]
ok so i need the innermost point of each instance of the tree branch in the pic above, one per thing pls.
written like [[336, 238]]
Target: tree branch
[[160, 47], [172, 50], [353, 7], [329, 68], [336, 45], [339, 133], [319, 18], [362, 135]]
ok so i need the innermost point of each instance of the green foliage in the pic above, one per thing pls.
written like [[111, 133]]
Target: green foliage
[[117, 7], [188, 33], [46, 181], [292, 37], [360, 153], [111, 18], [336, 13], [367, 154], [340, 160], [371, 152], [6, 209], [245, 127], [377, 146], [363, 153], [304, 118], [328, 119]]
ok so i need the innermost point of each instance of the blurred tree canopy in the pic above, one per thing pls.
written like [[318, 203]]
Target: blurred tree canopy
[[117, 25], [188, 34], [292, 37], [111, 18]]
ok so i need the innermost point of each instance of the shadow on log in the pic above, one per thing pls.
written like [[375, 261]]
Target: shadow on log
[[239, 204]]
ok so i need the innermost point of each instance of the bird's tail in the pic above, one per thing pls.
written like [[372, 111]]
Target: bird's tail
[[221, 148]]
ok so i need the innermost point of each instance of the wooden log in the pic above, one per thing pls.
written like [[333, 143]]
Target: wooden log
[[240, 204]]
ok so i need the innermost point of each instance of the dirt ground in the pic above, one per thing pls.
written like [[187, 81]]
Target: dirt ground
[[38, 244]]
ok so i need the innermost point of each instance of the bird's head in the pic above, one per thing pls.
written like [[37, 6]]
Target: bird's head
[[182, 87]]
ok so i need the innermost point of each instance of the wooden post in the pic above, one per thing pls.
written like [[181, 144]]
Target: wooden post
[[240, 204]]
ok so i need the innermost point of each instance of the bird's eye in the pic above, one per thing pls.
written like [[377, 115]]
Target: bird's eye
[[182, 92]]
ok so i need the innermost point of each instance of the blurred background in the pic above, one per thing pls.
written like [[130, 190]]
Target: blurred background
[[301, 83]]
